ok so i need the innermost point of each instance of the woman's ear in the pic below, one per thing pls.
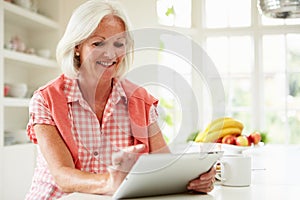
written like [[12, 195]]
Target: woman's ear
[[77, 53], [76, 56]]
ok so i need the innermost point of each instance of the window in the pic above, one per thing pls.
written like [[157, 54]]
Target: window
[[259, 61], [172, 72], [235, 67], [174, 13], [229, 13], [281, 84]]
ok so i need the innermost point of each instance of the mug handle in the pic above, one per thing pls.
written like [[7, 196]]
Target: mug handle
[[218, 176]]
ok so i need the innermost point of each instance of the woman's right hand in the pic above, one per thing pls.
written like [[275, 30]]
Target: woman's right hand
[[122, 163]]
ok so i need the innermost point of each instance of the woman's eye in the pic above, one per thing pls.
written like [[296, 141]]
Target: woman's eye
[[98, 44], [118, 44]]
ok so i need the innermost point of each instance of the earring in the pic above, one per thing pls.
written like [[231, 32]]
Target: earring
[[77, 53]]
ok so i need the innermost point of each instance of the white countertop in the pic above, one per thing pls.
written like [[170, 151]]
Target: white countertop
[[275, 176]]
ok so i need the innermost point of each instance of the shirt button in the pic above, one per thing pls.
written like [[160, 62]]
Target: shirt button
[[96, 153]]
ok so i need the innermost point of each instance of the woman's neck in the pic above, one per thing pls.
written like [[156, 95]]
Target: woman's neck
[[96, 93]]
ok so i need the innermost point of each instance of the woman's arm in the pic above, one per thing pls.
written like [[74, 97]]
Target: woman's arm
[[156, 139], [62, 167]]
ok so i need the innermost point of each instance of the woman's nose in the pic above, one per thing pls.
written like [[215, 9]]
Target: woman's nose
[[109, 53]]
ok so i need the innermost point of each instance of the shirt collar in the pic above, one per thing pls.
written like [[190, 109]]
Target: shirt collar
[[73, 92], [118, 92]]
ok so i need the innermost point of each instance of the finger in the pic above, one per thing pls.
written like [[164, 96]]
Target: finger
[[208, 175], [202, 183], [117, 157], [199, 184], [134, 149], [203, 186], [201, 189], [205, 190]]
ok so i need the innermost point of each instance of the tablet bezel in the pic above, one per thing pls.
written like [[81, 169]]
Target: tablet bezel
[[159, 174]]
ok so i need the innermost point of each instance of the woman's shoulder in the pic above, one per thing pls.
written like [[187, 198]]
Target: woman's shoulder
[[53, 93], [53, 83], [54, 88], [134, 91]]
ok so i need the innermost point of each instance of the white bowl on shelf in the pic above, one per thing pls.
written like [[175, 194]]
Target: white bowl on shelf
[[19, 136], [24, 3], [17, 90], [45, 53], [9, 140]]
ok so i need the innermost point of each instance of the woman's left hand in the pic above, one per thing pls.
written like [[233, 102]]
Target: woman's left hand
[[205, 183]]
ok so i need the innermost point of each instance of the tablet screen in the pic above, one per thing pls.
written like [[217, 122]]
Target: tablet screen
[[157, 174]]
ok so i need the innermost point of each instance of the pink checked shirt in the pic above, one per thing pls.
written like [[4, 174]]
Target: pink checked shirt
[[95, 142]]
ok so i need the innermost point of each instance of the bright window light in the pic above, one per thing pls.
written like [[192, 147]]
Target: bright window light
[[174, 13]]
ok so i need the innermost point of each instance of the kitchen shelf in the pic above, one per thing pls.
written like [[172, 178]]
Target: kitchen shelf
[[17, 146], [37, 30], [29, 59], [16, 102], [25, 18]]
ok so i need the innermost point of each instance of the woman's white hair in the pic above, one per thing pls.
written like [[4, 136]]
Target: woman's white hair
[[82, 24]]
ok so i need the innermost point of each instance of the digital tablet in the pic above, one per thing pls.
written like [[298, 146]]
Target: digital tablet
[[159, 174]]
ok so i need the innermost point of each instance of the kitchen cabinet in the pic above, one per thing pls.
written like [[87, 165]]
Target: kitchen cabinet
[[35, 31], [18, 162]]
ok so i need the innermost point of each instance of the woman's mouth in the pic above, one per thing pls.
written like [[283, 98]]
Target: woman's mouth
[[105, 64]]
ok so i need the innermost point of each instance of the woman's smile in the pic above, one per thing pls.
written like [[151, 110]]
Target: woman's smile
[[106, 64]]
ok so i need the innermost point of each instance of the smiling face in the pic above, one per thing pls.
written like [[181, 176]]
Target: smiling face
[[103, 51]]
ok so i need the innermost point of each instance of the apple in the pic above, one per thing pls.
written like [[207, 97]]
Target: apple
[[249, 140], [229, 139], [255, 137], [219, 140], [242, 140]]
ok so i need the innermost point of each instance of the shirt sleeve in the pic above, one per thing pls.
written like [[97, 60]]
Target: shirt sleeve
[[39, 113]]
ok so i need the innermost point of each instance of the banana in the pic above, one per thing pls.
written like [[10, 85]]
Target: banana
[[219, 128], [217, 121], [223, 123], [213, 136], [201, 136]]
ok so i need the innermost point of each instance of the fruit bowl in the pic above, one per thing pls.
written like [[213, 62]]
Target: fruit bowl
[[238, 149]]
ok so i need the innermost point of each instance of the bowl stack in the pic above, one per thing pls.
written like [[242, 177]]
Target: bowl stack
[[17, 90]]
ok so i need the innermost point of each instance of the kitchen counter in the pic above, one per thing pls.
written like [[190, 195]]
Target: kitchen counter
[[274, 177]]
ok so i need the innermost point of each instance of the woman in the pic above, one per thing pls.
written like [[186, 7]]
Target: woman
[[89, 123]]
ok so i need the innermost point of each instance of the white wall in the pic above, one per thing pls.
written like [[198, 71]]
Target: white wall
[[67, 7], [142, 13]]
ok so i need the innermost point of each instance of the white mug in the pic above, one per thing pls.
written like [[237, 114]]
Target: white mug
[[235, 170]]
